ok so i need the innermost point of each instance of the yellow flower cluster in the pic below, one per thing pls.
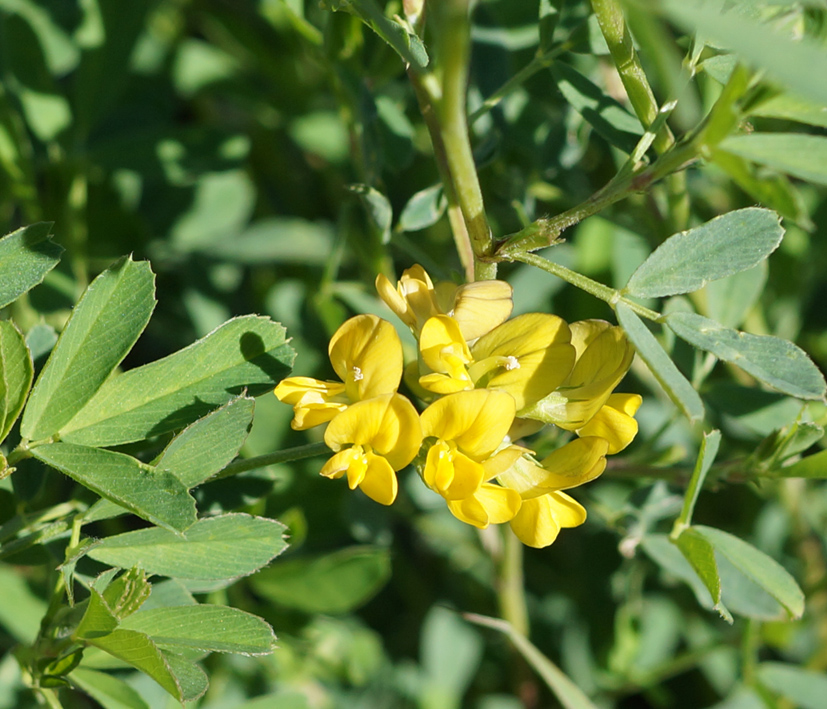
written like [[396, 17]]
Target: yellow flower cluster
[[487, 381]]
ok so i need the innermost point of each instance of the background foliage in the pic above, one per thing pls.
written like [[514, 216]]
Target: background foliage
[[269, 157]]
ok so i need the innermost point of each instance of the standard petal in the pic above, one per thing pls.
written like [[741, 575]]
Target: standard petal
[[476, 420], [379, 482], [538, 356], [615, 421], [441, 338], [479, 307], [366, 353]]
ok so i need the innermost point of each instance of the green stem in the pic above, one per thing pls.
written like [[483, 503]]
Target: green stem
[[603, 292], [453, 46], [512, 585], [260, 461]]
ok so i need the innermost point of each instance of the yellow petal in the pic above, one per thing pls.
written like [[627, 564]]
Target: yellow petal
[[469, 510], [314, 402], [450, 473], [389, 424], [442, 345], [367, 355], [477, 421], [500, 503], [340, 463], [414, 300], [575, 463], [479, 307], [540, 519], [313, 414], [379, 482], [503, 460], [394, 300], [292, 389], [538, 356], [615, 421]]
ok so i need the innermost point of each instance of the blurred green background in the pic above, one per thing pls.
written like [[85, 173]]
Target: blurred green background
[[268, 156]]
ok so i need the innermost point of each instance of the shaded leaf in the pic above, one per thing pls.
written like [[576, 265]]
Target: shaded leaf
[[224, 547], [806, 689], [246, 352], [106, 689], [729, 300], [813, 466], [16, 372], [697, 550], [425, 208], [777, 362], [26, 256], [725, 245], [336, 583], [104, 325], [153, 494]]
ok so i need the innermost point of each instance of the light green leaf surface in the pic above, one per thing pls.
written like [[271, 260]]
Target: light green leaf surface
[[16, 371], [706, 456], [245, 352], [797, 154], [423, 209], [336, 583], [21, 610], [781, 56], [806, 689], [758, 567], [204, 448], [209, 628], [104, 325], [687, 261], [813, 466], [224, 547], [777, 362], [792, 108], [697, 550], [106, 689], [98, 619], [26, 256], [153, 494], [662, 367], [608, 117], [139, 651]]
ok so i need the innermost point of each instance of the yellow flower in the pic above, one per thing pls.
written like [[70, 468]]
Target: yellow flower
[[527, 357], [469, 427], [477, 307], [366, 354], [615, 421], [604, 355], [545, 510], [372, 439]]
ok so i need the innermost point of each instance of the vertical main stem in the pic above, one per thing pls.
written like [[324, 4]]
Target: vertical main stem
[[454, 41], [512, 584]]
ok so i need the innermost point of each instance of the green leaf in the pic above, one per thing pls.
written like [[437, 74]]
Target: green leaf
[[450, 651], [777, 362], [725, 245], [26, 256], [191, 678], [813, 466], [709, 449], [206, 447], [378, 209], [335, 583], [246, 352], [106, 689], [729, 300], [701, 555], [608, 117], [153, 494], [797, 154], [104, 325], [782, 57], [139, 651], [662, 367], [224, 547], [16, 372], [127, 593], [21, 611], [758, 567], [98, 619], [792, 108], [806, 689], [424, 209], [208, 628]]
